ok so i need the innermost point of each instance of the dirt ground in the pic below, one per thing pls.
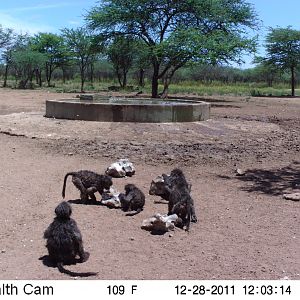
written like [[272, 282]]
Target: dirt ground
[[246, 230]]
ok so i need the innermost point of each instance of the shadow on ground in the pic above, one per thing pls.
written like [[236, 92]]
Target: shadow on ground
[[271, 182]]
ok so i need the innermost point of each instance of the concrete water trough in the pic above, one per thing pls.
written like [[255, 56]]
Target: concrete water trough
[[115, 109]]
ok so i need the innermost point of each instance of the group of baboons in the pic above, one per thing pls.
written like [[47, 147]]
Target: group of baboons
[[64, 239]]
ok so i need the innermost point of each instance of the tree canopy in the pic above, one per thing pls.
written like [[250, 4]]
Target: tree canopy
[[178, 32], [52, 45], [82, 47], [283, 50]]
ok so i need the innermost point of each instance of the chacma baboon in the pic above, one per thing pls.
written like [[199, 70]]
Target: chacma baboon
[[181, 204], [180, 200], [158, 187], [164, 185], [64, 241], [133, 199], [88, 183]]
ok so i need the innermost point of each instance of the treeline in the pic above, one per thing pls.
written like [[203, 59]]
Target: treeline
[[159, 41], [75, 54]]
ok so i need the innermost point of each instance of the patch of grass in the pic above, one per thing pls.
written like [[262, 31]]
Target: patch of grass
[[183, 87]]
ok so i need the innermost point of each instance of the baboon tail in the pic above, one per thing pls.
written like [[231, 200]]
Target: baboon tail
[[74, 274], [132, 213], [65, 182]]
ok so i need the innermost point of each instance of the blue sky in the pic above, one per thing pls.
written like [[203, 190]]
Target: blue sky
[[51, 15]]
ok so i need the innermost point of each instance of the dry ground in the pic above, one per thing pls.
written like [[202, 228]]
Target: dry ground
[[246, 230]]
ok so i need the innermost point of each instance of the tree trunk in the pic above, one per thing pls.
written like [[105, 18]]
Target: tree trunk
[[124, 78], [82, 75], [92, 73], [63, 74], [49, 72], [38, 77], [119, 79], [5, 75], [142, 77], [293, 81], [155, 80]]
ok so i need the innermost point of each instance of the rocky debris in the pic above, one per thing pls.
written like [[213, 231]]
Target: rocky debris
[[121, 168], [293, 196], [111, 199], [160, 223], [240, 172]]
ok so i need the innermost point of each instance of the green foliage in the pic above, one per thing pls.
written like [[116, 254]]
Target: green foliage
[[121, 54], [25, 62], [83, 47], [178, 32], [283, 50], [6, 36], [54, 49], [283, 47]]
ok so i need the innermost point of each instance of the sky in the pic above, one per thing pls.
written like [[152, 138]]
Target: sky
[[52, 15]]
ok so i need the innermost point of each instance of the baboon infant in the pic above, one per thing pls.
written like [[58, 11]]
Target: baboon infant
[[133, 199], [64, 240], [88, 183], [165, 187]]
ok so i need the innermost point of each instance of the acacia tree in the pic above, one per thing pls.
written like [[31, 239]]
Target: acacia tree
[[18, 42], [283, 51], [82, 47], [177, 32], [25, 62], [7, 37], [121, 53], [52, 46]]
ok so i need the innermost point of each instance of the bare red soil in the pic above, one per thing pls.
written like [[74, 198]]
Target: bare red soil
[[246, 230]]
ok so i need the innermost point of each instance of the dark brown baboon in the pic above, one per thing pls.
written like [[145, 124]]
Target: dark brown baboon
[[181, 204], [164, 185], [64, 241], [88, 183], [133, 199], [158, 187]]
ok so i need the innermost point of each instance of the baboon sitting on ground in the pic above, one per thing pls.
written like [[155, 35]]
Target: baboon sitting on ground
[[133, 199], [64, 241], [88, 183]]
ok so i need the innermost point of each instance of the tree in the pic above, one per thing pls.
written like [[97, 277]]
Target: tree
[[177, 32], [82, 47], [121, 54], [7, 37], [25, 62], [52, 46], [17, 42], [283, 51]]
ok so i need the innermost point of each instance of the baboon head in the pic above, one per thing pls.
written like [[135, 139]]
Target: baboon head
[[129, 187], [107, 182], [158, 186], [63, 210]]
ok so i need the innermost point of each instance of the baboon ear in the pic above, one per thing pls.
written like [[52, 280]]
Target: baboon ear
[[164, 177], [158, 179]]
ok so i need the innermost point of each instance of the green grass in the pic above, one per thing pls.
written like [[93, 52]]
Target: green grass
[[184, 87]]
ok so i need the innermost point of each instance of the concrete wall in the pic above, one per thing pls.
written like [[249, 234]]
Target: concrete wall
[[146, 113]]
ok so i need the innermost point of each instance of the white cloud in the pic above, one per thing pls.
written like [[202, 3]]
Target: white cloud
[[7, 21], [39, 7], [72, 22]]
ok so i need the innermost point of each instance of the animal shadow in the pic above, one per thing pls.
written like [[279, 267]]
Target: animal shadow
[[48, 262], [79, 201]]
